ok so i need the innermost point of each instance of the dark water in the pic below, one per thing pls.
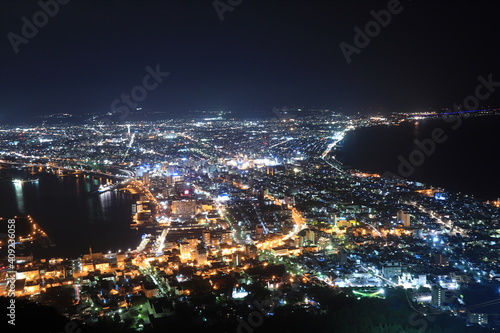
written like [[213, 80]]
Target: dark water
[[476, 294], [71, 216], [468, 161]]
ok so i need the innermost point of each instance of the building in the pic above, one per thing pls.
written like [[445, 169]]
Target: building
[[437, 295], [251, 251], [226, 237], [145, 178], [441, 260], [186, 251], [343, 223], [342, 257], [418, 233], [184, 207], [259, 230], [207, 237], [404, 218], [201, 256], [237, 258], [392, 269], [325, 242], [311, 235], [478, 318]]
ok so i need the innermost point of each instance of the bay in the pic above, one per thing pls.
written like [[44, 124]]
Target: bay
[[73, 215], [467, 161]]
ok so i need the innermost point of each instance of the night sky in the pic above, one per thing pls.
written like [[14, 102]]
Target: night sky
[[263, 54]]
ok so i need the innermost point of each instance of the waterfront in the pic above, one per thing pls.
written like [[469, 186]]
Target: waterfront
[[71, 213], [465, 162], [275, 217]]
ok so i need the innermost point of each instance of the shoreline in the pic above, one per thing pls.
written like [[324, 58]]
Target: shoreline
[[340, 153]]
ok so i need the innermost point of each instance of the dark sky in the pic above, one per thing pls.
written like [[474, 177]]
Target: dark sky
[[264, 54]]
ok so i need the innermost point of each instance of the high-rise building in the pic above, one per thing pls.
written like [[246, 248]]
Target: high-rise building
[[259, 230], [201, 256], [184, 207], [404, 218], [342, 257], [186, 251], [145, 178], [251, 251], [478, 318], [437, 295], [311, 235], [207, 237], [441, 259], [392, 269], [237, 258], [226, 237]]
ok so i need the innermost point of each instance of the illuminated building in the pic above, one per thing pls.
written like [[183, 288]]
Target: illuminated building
[[239, 293], [201, 256], [187, 249], [437, 295], [441, 260], [280, 251], [145, 178], [289, 200], [427, 192], [309, 236], [404, 218], [324, 243], [251, 251], [226, 237], [206, 237], [184, 207], [392, 269], [343, 223], [478, 318], [259, 230], [237, 258]]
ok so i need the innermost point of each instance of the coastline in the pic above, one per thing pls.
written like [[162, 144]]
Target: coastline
[[375, 149]]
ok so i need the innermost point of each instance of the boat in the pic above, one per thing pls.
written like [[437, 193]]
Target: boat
[[21, 181], [104, 188]]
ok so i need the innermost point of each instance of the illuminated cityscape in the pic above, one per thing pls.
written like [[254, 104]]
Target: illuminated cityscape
[[224, 206], [242, 166]]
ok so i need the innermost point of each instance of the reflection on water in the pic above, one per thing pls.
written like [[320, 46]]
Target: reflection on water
[[18, 187], [105, 202], [416, 133], [72, 213]]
